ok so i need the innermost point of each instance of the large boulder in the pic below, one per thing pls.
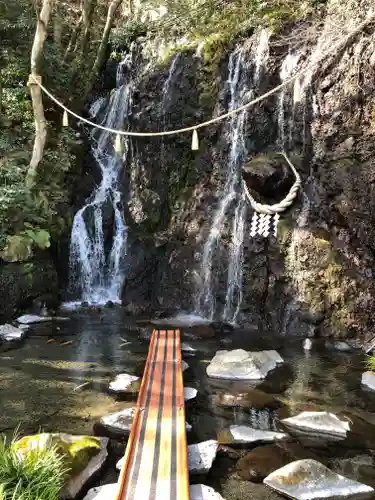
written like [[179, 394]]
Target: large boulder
[[243, 365], [309, 479], [84, 456]]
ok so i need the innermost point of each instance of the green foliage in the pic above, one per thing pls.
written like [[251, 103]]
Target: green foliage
[[38, 475], [370, 363]]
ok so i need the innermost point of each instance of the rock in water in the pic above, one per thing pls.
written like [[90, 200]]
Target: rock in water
[[243, 365], [190, 393], [9, 333], [309, 480], [246, 434], [263, 460], [30, 319], [125, 383], [105, 492], [368, 379], [187, 349], [201, 456], [203, 492], [319, 424], [118, 424], [83, 455], [252, 398]]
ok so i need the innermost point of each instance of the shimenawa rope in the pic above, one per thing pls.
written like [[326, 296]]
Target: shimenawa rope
[[282, 205]]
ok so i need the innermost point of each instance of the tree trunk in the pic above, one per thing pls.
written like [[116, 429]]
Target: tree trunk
[[88, 7], [35, 91], [100, 56], [73, 39]]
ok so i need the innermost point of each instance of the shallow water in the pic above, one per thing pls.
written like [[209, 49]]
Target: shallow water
[[40, 383]]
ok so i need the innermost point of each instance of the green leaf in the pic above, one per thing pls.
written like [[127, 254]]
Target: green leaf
[[41, 238], [17, 249]]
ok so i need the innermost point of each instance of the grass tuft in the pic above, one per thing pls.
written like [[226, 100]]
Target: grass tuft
[[39, 475]]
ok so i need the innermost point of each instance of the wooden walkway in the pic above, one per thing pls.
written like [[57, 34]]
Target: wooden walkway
[[155, 466]]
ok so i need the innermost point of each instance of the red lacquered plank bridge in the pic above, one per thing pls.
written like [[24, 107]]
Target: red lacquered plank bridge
[[155, 465]]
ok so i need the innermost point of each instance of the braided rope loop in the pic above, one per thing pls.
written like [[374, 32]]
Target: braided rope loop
[[262, 208]]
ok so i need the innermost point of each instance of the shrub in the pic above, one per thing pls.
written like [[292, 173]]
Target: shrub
[[39, 475], [370, 363]]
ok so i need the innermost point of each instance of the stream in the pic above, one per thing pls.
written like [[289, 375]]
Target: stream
[[41, 384]]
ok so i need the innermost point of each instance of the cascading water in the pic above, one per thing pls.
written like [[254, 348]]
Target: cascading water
[[232, 193], [97, 266], [287, 69]]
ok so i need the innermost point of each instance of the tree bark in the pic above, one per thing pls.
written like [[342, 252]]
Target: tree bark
[[100, 56], [88, 8], [35, 91], [73, 39]]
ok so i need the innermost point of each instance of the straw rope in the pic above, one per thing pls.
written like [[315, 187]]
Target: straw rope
[[193, 128]]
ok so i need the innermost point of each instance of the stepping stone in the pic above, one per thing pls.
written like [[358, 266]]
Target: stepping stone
[[246, 434], [201, 456], [31, 319], [125, 383], [10, 333], [187, 349], [105, 492], [118, 424], [243, 365], [368, 379], [184, 365], [190, 393], [309, 480], [203, 492], [318, 423]]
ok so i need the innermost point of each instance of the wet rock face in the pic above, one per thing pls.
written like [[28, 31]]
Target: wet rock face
[[316, 277], [22, 283]]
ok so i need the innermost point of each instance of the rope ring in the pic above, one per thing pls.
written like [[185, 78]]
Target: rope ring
[[277, 208]]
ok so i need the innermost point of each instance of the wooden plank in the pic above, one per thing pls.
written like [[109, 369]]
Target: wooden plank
[[155, 466]]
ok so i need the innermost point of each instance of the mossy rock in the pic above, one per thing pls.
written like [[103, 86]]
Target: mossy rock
[[76, 450]]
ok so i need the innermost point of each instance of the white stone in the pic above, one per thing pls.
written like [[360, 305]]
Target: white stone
[[243, 365], [106, 492], [201, 456], [30, 319], [368, 379], [189, 427], [309, 480], [319, 423], [307, 345], [187, 348], [77, 483], [120, 463], [184, 365], [10, 333], [342, 346], [119, 422], [246, 434], [190, 393], [203, 492], [122, 382]]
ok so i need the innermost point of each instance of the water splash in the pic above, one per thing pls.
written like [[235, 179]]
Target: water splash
[[97, 264], [232, 198]]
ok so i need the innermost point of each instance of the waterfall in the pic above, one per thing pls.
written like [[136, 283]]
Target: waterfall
[[232, 197], [97, 261], [169, 83]]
